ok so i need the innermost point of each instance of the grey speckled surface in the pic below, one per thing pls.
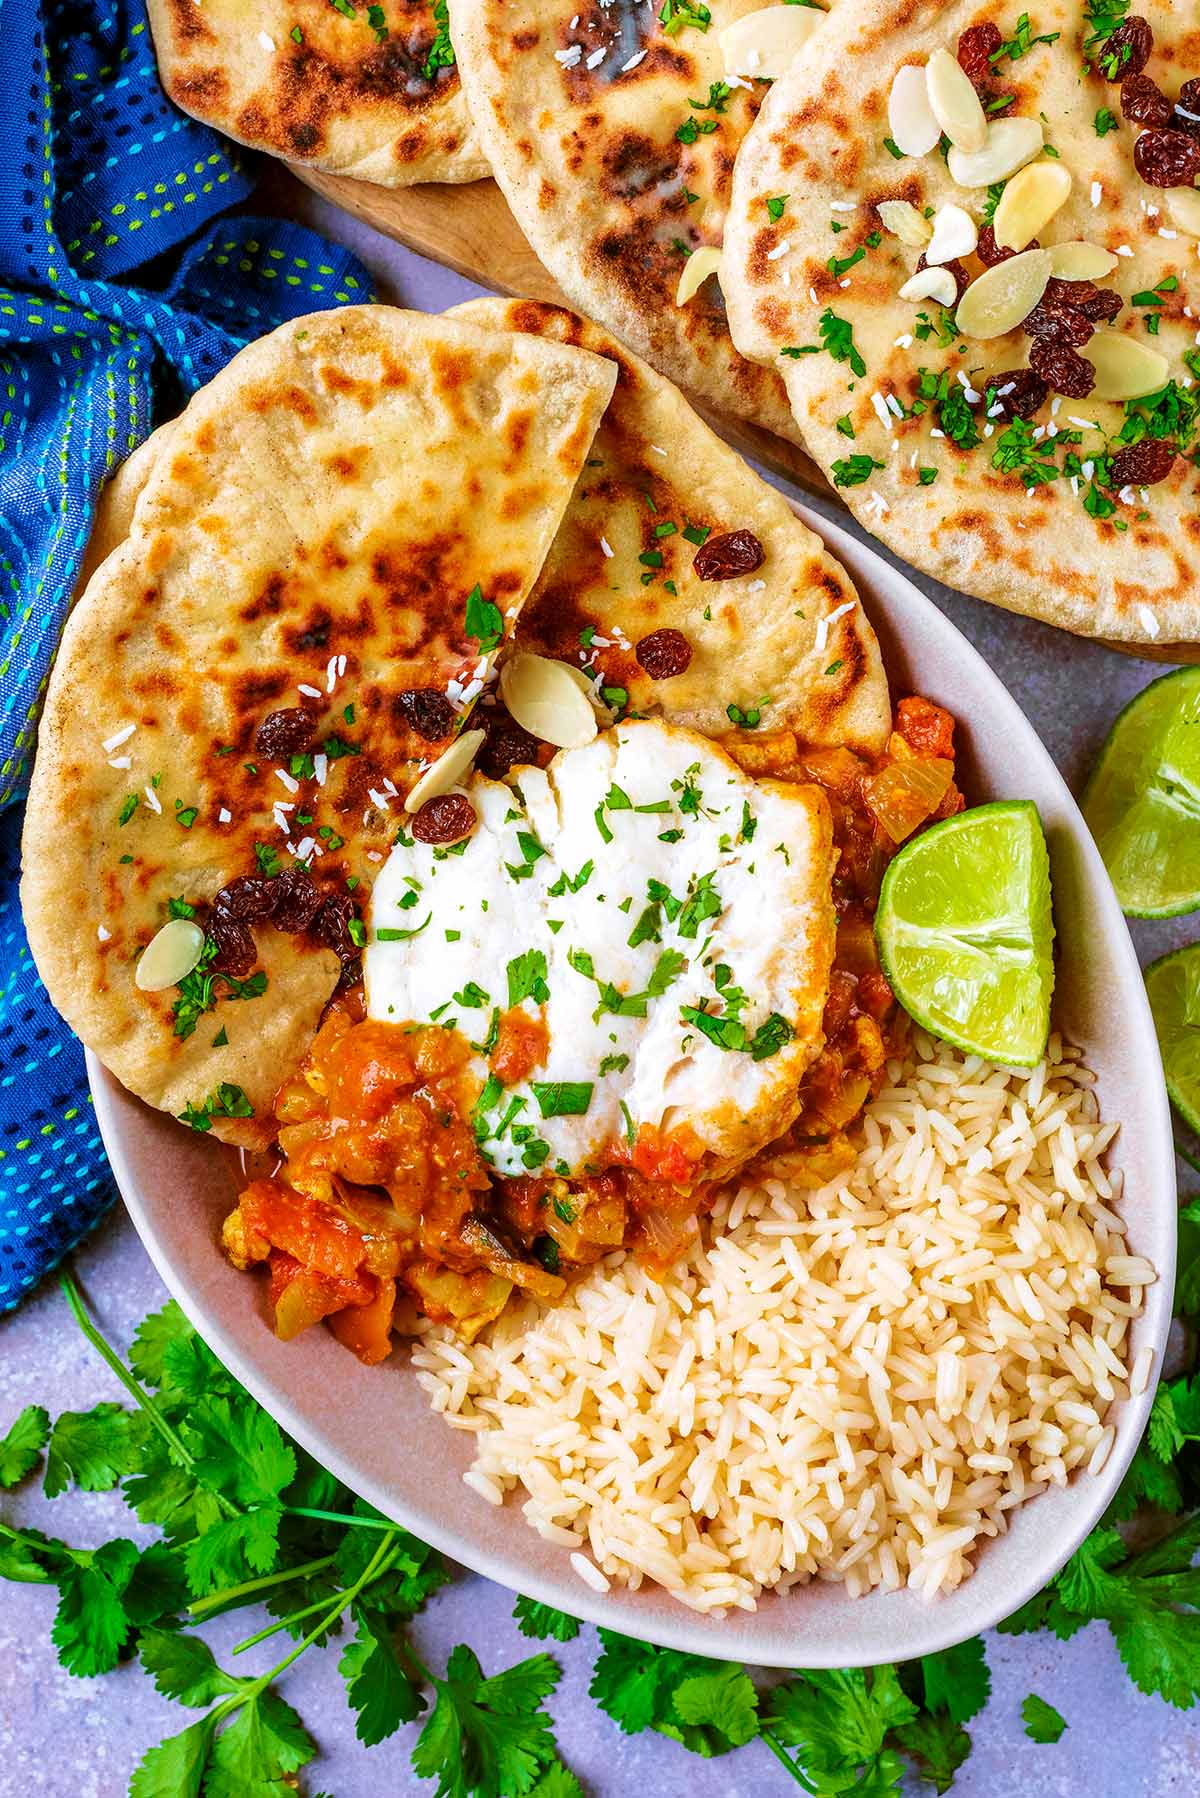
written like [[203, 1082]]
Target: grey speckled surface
[[80, 1738]]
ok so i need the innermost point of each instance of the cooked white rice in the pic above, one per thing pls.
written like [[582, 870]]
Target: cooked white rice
[[856, 1384]]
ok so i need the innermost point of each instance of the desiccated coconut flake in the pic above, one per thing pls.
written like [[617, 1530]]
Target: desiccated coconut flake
[[281, 775], [569, 57], [606, 546], [596, 58], [120, 761], [267, 42], [152, 799], [781, 249], [633, 62], [309, 692], [104, 934], [881, 410], [320, 768], [118, 737], [756, 586], [1123, 249], [821, 635], [224, 816], [1148, 621]]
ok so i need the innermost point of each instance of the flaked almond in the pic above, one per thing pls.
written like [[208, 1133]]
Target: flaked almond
[[902, 219], [930, 284], [447, 771], [1126, 369], [954, 103], [169, 956], [546, 700], [1029, 202], [762, 45], [590, 691], [955, 235], [1081, 261], [1004, 295], [699, 266], [1183, 205], [1010, 144], [913, 128]]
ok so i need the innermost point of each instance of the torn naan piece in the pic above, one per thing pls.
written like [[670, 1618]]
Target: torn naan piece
[[783, 642], [329, 546], [365, 90], [968, 241]]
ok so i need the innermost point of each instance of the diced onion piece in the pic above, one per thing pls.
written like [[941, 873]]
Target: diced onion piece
[[546, 700], [699, 266], [761, 46], [169, 956], [902, 219], [1183, 205], [930, 284], [904, 794], [955, 235], [447, 771], [1126, 368], [1029, 202], [914, 129], [1002, 296], [954, 103], [1011, 143], [1081, 261]]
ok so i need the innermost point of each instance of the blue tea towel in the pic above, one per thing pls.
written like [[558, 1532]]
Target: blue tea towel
[[124, 285]]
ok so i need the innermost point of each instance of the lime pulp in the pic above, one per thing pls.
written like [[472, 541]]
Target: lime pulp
[[1173, 988], [966, 933], [1142, 803]]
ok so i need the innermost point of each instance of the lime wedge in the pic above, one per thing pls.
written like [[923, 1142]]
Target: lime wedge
[[1142, 803], [966, 935], [1173, 988]]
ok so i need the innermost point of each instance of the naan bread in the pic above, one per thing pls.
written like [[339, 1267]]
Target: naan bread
[[792, 632], [589, 160], [307, 535], [305, 81], [1121, 563]]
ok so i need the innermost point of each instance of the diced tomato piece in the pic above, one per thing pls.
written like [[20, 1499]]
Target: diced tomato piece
[[522, 1045], [367, 1329], [925, 727], [667, 1160]]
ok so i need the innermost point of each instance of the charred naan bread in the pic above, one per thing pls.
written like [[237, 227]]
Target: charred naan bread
[[369, 91], [1021, 422], [613, 136], [787, 640], [338, 530]]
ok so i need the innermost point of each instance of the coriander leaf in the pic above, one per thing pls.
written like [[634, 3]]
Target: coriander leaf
[[937, 1744], [542, 1620], [183, 1668], [223, 1554], [176, 1767], [153, 1337], [1160, 1649], [91, 1625], [241, 1450], [20, 1448], [557, 1782], [157, 1586], [249, 1759], [724, 1700], [1042, 1722], [487, 1736], [836, 1719], [957, 1680], [377, 1686], [625, 1681], [32, 1559], [92, 1448]]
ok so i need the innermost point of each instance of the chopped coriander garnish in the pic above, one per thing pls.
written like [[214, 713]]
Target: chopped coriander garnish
[[775, 206], [562, 1098], [527, 978], [129, 805], [1105, 121], [852, 471], [485, 621]]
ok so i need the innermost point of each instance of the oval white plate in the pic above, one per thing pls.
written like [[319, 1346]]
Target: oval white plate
[[373, 1427]]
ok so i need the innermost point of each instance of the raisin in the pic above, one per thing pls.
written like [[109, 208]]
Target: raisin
[[1186, 116], [990, 252], [1167, 158], [1064, 324], [1126, 51], [331, 925], [663, 653], [236, 953], [297, 899], [246, 898], [976, 46], [1100, 304], [724, 558], [1062, 368], [506, 746], [1143, 101], [282, 734], [1026, 397], [428, 711], [1142, 464], [446, 819]]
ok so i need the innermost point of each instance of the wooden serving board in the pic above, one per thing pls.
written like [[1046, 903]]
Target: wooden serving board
[[470, 229]]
